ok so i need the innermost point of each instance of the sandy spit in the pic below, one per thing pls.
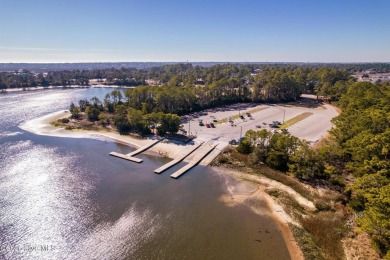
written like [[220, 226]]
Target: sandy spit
[[42, 126]]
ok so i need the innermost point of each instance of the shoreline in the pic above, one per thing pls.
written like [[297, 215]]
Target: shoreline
[[248, 188], [254, 186], [42, 126], [27, 89]]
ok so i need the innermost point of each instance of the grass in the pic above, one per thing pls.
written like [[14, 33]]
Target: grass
[[327, 230], [55, 123], [238, 116], [295, 120]]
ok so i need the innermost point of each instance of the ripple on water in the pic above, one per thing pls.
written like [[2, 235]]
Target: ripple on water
[[41, 198]]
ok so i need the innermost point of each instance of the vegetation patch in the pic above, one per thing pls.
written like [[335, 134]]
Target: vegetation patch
[[295, 120], [327, 229], [305, 241], [234, 117]]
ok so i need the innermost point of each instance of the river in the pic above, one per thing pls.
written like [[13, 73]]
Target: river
[[64, 198]]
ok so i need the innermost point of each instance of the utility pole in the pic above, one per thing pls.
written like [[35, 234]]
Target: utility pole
[[284, 114], [240, 133]]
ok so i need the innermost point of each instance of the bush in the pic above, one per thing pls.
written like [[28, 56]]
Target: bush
[[223, 159], [64, 120], [245, 147]]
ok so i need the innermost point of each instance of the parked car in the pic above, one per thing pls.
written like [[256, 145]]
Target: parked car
[[233, 142], [215, 120], [201, 123], [208, 125], [248, 114], [212, 125], [242, 117], [258, 126]]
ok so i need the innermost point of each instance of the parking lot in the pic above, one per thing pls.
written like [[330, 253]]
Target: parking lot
[[311, 128]]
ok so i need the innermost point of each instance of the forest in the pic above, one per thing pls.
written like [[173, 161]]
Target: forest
[[193, 74]]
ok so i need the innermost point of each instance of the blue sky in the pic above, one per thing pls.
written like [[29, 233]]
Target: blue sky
[[214, 30]]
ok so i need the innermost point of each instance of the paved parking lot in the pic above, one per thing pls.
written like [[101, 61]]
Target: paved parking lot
[[311, 128]]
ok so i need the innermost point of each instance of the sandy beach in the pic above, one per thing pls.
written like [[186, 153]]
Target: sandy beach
[[43, 126]]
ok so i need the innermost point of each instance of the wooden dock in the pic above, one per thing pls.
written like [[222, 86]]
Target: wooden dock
[[126, 157], [130, 156], [144, 148], [177, 160], [213, 154], [205, 150]]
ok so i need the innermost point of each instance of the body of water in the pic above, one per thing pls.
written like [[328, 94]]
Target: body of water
[[64, 198]]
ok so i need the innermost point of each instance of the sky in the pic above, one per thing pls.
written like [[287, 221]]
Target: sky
[[194, 31]]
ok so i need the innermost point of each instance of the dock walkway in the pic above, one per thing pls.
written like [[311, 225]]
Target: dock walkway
[[144, 148], [202, 153], [130, 156], [177, 160]]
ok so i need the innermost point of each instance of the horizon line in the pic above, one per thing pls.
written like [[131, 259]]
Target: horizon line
[[189, 62]]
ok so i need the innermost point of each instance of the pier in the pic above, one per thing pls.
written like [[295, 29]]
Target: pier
[[130, 156], [177, 160], [202, 153], [126, 157]]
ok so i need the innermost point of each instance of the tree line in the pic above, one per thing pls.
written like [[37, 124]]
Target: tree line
[[245, 82]]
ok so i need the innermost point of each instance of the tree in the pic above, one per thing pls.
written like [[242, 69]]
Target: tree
[[75, 113], [244, 147], [169, 123], [120, 120], [83, 103], [71, 107], [305, 163], [92, 113], [375, 219], [136, 120]]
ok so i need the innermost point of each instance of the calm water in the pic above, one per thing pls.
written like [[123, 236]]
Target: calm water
[[63, 198]]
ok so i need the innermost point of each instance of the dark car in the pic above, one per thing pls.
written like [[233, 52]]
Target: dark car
[[201, 123], [242, 117], [233, 142], [212, 125]]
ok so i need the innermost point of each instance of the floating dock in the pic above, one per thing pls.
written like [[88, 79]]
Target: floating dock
[[130, 156], [144, 148], [177, 160], [126, 157], [197, 158]]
